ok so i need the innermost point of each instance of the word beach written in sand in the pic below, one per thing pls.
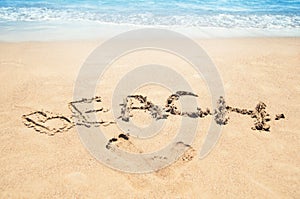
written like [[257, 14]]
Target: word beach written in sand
[[49, 123]]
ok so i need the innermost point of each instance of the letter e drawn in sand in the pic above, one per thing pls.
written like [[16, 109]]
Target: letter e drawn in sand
[[155, 39]]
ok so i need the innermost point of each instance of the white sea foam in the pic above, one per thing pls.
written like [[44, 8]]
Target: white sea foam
[[35, 14], [74, 19]]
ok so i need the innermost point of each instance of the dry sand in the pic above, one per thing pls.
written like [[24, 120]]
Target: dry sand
[[244, 164]]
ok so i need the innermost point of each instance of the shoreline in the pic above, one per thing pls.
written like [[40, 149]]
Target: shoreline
[[41, 31]]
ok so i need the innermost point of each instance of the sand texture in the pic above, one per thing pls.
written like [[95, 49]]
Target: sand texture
[[257, 155]]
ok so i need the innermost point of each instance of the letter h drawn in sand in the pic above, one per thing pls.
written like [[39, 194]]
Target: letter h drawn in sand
[[84, 110]]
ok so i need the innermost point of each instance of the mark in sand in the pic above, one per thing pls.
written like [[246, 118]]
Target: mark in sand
[[83, 109]]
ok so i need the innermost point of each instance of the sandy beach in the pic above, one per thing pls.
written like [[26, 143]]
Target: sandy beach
[[245, 163]]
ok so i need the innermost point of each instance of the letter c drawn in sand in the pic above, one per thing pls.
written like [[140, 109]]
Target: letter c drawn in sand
[[157, 39]]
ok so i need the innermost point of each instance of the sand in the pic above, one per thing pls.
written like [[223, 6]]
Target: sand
[[245, 163]]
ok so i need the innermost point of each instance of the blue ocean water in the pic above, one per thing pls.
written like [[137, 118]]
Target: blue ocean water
[[276, 14]]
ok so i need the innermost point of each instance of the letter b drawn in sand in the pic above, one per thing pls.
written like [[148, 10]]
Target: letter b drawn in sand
[[155, 39]]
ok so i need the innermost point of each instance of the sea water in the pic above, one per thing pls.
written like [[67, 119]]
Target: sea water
[[63, 19]]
